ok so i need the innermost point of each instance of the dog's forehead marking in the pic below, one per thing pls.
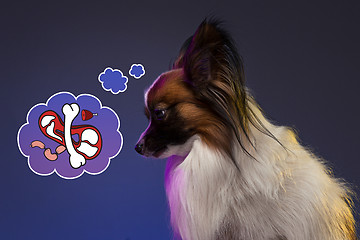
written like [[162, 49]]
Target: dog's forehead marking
[[166, 89], [153, 88]]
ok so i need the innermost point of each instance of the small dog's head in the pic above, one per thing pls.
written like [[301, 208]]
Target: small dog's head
[[203, 95]]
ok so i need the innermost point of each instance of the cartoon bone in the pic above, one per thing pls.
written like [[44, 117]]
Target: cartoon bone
[[70, 112]]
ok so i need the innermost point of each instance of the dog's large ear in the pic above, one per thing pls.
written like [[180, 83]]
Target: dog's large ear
[[179, 62], [210, 56], [214, 70]]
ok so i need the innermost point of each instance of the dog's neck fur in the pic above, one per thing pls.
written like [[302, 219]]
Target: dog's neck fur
[[210, 199], [204, 187], [189, 184], [203, 190]]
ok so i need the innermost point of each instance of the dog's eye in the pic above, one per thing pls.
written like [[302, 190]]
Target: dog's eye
[[159, 114]]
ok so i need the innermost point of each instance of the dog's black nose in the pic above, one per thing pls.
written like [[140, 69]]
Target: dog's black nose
[[140, 147]]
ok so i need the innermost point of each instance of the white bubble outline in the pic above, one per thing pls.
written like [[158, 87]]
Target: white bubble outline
[[137, 65], [110, 90], [84, 170]]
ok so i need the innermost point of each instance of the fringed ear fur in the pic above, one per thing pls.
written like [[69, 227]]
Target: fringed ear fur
[[205, 54], [209, 58], [214, 70]]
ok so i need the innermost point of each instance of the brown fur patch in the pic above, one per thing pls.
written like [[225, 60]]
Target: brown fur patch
[[167, 90]]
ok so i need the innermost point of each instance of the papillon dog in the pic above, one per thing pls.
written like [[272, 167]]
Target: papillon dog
[[231, 173]]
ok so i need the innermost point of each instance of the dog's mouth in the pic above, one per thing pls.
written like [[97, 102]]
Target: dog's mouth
[[157, 153]]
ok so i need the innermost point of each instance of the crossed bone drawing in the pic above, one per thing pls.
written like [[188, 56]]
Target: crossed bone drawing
[[88, 146]]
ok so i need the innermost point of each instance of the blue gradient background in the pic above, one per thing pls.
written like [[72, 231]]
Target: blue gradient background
[[301, 62]]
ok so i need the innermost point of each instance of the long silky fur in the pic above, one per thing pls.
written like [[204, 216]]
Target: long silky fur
[[283, 195], [264, 184]]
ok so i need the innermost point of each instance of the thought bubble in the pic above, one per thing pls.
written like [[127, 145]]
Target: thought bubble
[[70, 135], [113, 80], [137, 70]]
